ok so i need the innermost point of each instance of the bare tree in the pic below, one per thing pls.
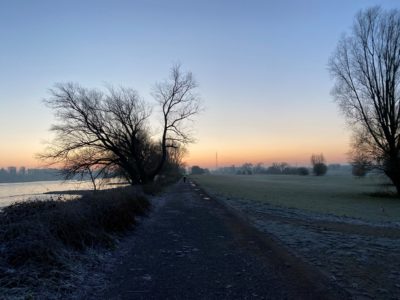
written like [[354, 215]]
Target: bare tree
[[317, 159], [365, 67], [109, 132], [318, 163], [179, 104], [174, 165], [83, 165], [360, 166]]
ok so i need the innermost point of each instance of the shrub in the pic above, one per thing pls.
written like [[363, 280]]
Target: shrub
[[29, 245], [152, 188], [303, 171], [320, 169], [161, 182], [318, 163], [359, 170]]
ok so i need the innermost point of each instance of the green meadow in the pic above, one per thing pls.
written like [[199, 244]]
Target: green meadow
[[342, 195]]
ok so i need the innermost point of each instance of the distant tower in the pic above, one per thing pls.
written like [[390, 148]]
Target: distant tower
[[216, 160]]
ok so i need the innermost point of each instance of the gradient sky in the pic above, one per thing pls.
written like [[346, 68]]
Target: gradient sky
[[261, 68]]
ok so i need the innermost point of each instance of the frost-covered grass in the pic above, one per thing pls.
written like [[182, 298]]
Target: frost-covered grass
[[343, 195], [45, 244]]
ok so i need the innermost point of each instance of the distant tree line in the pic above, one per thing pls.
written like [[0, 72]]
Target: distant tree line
[[282, 168], [318, 168], [196, 170]]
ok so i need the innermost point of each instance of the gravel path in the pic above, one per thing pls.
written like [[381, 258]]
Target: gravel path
[[192, 247]]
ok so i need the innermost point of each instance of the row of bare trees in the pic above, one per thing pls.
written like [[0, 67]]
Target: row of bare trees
[[109, 132]]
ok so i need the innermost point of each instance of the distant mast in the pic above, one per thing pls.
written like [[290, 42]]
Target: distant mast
[[216, 160]]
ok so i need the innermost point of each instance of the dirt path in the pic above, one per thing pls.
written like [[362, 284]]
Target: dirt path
[[195, 248]]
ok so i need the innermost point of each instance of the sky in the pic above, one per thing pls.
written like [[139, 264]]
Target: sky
[[261, 67]]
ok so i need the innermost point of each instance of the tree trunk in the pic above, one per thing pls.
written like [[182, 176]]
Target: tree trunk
[[394, 176]]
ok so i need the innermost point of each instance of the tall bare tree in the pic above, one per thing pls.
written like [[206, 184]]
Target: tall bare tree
[[179, 103], [365, 67], [109, 132]]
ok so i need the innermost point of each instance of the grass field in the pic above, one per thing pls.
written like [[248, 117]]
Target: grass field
[[339, 195]]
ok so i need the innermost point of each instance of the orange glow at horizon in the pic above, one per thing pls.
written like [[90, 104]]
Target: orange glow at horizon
[[291, 144], [19, 156], [21, 160], [290, 148], [204, 156], [297, 154]]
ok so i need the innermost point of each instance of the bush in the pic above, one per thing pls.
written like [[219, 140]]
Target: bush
[[320, 169], [24, 244], [160, 183], [303, 171], [359, 170]]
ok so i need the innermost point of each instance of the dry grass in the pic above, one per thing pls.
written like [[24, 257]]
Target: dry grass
[[43, 243]]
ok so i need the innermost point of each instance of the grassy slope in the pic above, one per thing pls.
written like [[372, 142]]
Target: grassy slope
[[339, 195]]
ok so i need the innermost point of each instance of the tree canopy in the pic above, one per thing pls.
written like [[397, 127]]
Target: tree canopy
[[110, 131]]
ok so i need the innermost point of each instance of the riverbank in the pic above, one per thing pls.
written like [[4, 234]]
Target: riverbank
[[46, 246]]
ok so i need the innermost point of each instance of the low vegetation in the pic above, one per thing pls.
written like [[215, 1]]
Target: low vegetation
[[281, 168], [318, 163], [370, 198], [162, 182], [42, 242]]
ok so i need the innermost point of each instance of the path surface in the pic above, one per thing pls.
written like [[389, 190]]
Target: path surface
[[193, 247], [361, 257]]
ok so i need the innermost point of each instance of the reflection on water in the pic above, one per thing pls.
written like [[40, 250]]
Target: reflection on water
[[13, 192]]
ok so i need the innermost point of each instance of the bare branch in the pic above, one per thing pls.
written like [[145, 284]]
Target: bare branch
[[101, 132], [366, 69]]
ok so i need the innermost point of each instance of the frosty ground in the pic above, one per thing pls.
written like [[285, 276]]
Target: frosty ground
[[336, 224]]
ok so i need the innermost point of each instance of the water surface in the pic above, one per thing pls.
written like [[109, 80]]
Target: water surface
[[13, 192]]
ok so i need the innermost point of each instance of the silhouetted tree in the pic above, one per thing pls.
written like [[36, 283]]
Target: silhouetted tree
[[109, 132], [246, 169], [196, 170], [174, 166], [277, 168], [366, 67], [318, 163], [179, 104], [259, 169]]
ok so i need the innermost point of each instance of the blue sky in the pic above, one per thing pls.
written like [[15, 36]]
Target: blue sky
[[261, 68]]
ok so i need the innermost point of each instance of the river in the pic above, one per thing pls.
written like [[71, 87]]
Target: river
[[13, 192]]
